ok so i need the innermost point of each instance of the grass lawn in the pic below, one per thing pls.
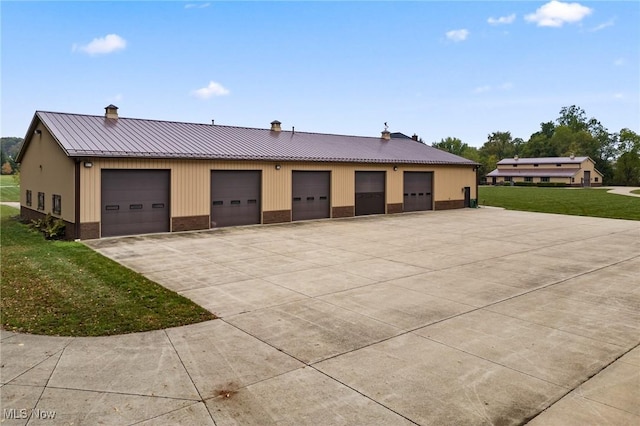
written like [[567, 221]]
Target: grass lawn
[[571, 201], [637, 191], [67, 289], [9, 188]]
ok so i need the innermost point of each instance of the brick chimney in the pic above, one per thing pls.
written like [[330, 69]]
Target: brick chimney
[[111, 111], [386, 134], [414, 137], [275, 126]]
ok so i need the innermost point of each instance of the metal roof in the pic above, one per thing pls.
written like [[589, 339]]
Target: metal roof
[[543, 160], [534, 173], [97, 136]]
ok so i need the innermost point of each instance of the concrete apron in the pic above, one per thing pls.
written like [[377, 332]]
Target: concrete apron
[[476, 316]]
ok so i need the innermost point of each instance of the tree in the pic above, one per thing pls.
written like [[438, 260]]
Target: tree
[[9, 148], [629, 141], [499, 144], [452, 145], [573, 117], [6, 168], [627, 168]]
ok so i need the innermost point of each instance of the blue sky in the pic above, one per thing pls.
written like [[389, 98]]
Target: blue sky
[[437, 69]]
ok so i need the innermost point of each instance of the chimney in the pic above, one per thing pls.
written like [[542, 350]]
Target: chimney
[[275, 126], [515, 157], [414, 137], [111, 111], [386, 134], [572, 156]]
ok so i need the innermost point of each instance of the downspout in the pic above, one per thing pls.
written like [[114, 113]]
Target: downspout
[[477, 193], [77, 200]]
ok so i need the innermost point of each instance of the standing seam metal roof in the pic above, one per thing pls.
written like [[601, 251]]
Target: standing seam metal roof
[[96, 136], [543, 160]]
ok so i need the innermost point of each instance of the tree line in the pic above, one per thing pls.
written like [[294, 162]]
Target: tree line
[[616, 155], [9, 148]]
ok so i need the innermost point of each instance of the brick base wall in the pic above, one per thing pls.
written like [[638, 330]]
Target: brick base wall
[[449, 204], [29, 215], [189, 223], [394, 208], [344, 211], [89, 231], [276, 216]]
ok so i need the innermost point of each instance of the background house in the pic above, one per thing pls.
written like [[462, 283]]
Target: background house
[[570, 171], [107, 175]]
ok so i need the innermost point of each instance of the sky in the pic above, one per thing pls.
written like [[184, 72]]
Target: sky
[[437, 69]]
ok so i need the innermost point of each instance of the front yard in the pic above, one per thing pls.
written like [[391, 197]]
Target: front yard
[[572, 201], [65, 288]]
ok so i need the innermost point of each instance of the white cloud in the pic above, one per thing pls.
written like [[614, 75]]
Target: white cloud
[[101, 46], [618, 96], [482, 89], [196, 5], [502, 20], [556, 14], [604, 25], [487, 88], [213, 89], [457, 35], [116, 98], [619, 62]]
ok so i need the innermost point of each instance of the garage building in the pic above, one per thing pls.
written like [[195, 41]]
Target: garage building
[[107, 176]]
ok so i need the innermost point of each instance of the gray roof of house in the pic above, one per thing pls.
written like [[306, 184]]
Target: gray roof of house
[[534, 172], [543, 160], [97, 136]]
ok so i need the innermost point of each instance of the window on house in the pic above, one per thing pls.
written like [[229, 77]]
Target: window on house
[[515, 165], [528, 179], [544, 179], [40, 200], [29, 197], [595, 179], [57, 204], [558, 165], [535, 165], [507, 178], [573, 180]]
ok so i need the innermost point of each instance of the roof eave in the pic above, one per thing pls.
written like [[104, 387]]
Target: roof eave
[[173, 156]]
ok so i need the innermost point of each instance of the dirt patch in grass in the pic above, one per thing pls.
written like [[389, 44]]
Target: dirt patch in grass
[[65, 288]]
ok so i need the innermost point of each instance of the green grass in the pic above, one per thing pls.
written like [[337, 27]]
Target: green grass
[[637, 191], [9, 188], [571, 201], [65, 288]]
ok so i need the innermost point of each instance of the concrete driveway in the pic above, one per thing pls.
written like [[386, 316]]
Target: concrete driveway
[[476, 316]]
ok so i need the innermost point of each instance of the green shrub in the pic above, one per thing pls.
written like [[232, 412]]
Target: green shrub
[[52, 228], [552, 184]]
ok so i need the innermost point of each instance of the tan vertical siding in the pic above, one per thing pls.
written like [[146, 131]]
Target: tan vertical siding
[[449, 181], [46, 168], [191, 180]]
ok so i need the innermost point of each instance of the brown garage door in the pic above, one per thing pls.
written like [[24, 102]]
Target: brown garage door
[[310, 195], [135, 202], [418, 187], [235, 197], [370, 197]]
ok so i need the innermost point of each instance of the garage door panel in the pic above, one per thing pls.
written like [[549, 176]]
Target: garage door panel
[[310, 195], [235, 197], [418, 191], [135, 202], [370, 193]]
